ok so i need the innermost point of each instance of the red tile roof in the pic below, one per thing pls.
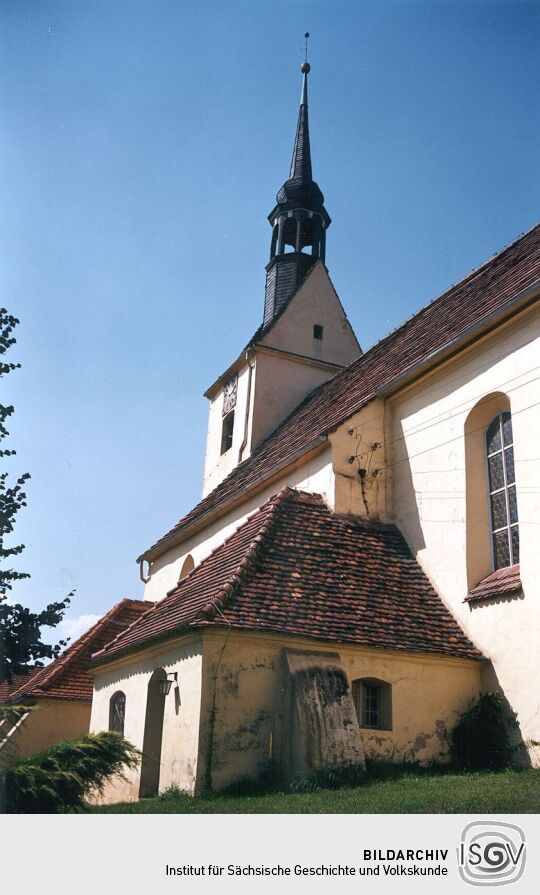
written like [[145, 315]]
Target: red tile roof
[[68, 676], [7, 688], [502, 583], [480, 294], [295, 568]]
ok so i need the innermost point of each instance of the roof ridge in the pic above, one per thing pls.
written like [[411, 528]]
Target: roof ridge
[[64, 659], [151, 606], [249, 557], [222, 543], [476, 271], [175, 591]]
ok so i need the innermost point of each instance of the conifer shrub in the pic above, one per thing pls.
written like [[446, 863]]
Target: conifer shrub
[[480, 739], [58, 779]]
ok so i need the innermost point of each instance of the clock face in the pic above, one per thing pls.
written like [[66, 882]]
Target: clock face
[[229, 395]]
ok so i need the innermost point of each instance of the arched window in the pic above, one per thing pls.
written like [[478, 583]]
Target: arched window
[[117, 712], [187, 566], [502, 491], [481, 469], [373, 702]]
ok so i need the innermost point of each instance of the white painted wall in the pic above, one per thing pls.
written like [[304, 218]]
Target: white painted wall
[[217, 466], [181, 720], [315, 476], [316, 301], [291, 367], [426, 453]]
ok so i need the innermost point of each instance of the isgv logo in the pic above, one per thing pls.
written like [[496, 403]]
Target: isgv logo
[[491, 853]]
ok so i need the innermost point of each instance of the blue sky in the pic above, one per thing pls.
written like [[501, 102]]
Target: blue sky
[[143, 144]]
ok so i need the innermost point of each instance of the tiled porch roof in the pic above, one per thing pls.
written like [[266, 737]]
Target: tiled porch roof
[[295, 568]]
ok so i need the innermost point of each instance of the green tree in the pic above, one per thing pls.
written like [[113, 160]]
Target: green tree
[[21, 646]]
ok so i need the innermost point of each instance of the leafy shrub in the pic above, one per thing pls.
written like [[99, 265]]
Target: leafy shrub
[[58, 778], [480, 740]]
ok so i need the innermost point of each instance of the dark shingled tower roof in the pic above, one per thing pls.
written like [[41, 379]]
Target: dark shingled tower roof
[[301, 158], [299, 220]]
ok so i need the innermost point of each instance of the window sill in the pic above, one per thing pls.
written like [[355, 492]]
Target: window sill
[[502, 583], [375, 729]]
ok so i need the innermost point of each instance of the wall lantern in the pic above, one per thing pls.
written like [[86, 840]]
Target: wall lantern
[[166, 683]]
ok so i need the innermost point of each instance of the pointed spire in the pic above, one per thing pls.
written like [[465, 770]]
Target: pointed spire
[[301, 157], [299, 220]]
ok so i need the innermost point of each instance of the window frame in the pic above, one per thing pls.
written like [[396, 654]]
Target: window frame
[[112, 702], [227, 432], [505, 489], [383, 707]]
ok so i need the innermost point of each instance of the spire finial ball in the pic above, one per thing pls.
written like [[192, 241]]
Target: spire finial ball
[[305, 68]]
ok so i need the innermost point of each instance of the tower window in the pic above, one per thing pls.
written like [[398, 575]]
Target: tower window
[[318, 332], [502, 491], [227, 432]]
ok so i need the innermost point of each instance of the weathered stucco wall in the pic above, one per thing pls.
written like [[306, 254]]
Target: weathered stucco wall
[[428, 693], [49, 722], [181, 716], [438, 511], [359, 463], [315, 475]]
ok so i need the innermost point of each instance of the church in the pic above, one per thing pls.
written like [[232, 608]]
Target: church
[[363, 562]]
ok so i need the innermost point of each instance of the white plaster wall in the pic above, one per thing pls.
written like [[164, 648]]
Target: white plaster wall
[[181, 719], [426, 452], [217, 466], [281, 384], [315, 476], [316, 301]]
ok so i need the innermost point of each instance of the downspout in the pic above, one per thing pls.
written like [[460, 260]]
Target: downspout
[[141, 572], [246, 418]]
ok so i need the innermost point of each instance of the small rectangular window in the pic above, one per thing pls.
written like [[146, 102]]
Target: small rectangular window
[[373, 703], [227, 432], [318, 332]]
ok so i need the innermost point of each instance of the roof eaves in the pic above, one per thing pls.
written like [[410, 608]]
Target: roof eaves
[[518, 302], [173, 538]]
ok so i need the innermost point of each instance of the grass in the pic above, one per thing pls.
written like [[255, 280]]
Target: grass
[[489, 792]]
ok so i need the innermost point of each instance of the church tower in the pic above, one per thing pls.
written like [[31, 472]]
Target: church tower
[[299, 220], [304, 338]]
